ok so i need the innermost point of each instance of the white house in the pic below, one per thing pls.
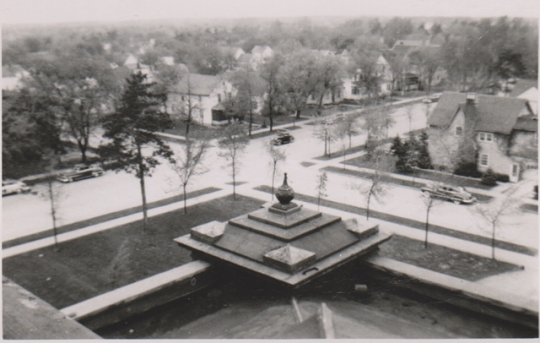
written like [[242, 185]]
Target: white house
[[131, 62], [205, 93]]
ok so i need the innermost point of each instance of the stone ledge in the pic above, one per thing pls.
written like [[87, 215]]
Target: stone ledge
[[28, 317], [113, 306], [459, 292]]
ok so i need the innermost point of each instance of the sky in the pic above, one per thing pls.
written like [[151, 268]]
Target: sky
[[61, 11]]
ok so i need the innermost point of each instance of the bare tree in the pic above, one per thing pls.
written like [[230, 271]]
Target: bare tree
[[189, 162], [232, 144], [429, 202], [385, 113], [325, 131], [376, 186], [409, 112], [276, 155], [348, 125], [53, 194], [189, 105], [322, 179], [342, 130], [494, 213]]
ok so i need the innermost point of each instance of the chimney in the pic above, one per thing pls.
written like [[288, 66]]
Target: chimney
[[471, 98]]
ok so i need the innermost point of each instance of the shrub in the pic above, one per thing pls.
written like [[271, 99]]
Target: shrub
[[467, 169], [489, 178], [502, 177]]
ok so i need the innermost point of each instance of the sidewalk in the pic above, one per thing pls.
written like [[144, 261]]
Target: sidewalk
[[523, 283], [45, 242]]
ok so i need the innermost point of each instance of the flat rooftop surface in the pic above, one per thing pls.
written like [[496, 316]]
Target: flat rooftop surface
[[243, 309]]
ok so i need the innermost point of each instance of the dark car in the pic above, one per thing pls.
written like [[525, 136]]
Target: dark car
[[283, 137], [80, 172], [458, 195]]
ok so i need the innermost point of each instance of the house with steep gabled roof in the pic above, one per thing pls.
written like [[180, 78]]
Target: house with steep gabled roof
[[202, 94], [497, 133]]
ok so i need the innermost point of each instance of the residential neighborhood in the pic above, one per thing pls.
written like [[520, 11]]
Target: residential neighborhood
[[266, 177]]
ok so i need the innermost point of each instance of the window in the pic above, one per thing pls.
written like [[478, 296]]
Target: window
[[356, 91], [485, 137], [459, 131], [484, 160]]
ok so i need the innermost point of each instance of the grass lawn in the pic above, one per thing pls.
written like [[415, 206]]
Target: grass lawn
[[442, 259], [390, 178], [195, 130], [83, 268], [354, 149], [107, 217], [415, 224]]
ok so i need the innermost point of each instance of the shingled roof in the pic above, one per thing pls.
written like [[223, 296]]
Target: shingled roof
[[523, 85], [197, 84], [489, 113], [527, 123]]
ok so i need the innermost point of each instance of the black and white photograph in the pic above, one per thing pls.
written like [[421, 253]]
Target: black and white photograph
[[269, 169]]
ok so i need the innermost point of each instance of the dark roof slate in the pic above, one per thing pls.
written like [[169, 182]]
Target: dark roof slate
[[523, 85], [527, 123], [490, 113], [197, 84]]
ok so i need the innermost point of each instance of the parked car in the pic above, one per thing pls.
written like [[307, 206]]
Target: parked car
[[80, 172], [283, 137], [459, 195], [14, 187], [435, 97]]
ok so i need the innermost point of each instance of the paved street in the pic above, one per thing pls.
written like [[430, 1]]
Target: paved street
[[117, 191], [27, 214]]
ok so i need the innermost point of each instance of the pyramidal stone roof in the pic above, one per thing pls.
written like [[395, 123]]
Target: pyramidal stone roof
[[284, 241]]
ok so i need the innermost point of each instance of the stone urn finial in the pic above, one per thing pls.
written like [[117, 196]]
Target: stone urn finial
[[285, 194]]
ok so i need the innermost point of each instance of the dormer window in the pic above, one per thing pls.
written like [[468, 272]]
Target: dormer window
[[459, 131], [485, 137]]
